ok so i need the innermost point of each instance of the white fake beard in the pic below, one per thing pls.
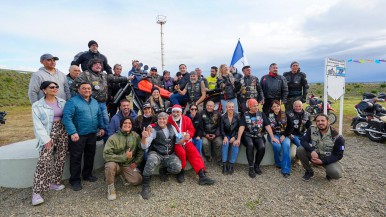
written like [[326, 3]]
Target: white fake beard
[[175, 119]]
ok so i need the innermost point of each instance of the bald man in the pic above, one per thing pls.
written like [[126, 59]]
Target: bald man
[[74, 72]]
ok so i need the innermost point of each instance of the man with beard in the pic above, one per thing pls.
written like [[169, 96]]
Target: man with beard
[[323, 146], [297, 85], [186, 150], [196, 91], [250, 89], [124, 111], [92, 53], [274, 87], [212, 78]]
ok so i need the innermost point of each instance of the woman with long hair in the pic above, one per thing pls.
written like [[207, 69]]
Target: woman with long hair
[[156, 102], [226, 82], [52, 141], [196, 120]]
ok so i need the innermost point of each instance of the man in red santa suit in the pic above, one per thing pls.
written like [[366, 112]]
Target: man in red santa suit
[[187, 151]]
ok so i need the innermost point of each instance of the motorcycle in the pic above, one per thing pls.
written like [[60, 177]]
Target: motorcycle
[[2, 119], [366, 109], [316, 106], [376, 128]]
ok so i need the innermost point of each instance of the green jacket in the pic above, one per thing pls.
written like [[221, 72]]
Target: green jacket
[[117, 145]]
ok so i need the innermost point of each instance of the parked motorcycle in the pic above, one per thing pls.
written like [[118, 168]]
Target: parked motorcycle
[[376, 128], [316, 106]]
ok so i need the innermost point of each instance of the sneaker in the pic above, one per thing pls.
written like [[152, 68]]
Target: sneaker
[[76, 186], [286, 175], [37, 199], [56, 187], [258, 170], [111, 195], [252, 172], [307, 176], [90, 178]]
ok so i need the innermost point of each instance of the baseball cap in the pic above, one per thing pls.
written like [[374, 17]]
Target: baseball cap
[[146, 105], [48, 56], [153, 68]]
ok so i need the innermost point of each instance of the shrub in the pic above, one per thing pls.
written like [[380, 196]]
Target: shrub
[[374, 91], [383, 85], [318, 83]]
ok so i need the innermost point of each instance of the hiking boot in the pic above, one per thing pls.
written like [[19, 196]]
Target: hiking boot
[[37, 199], [163, 174], [224, 168], [231, 169], [257, 170], [56, 187], [181, 176], [307, 176], [76, 186], [145, 193], [111, 195], [204, 180], [252, 172]]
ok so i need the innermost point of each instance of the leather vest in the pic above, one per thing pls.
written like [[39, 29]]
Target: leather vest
[[254, 124], [194, 90], [210, 122], [278, 125], [248, 87], [229, 90], [299, 120], [295, 85], [323, 143], [161, 144]]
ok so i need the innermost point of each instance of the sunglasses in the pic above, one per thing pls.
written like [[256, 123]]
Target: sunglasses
[[193, 109], [54, 87]]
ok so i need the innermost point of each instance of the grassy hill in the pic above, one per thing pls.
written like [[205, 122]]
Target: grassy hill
[[14, 88]]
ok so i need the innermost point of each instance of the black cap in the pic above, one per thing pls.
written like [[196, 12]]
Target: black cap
[[153, 68], [91, 43], [45, 84]]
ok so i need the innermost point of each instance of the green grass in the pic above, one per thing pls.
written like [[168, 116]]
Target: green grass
[[14, 88]]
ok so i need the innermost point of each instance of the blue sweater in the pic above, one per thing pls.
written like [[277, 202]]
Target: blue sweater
[[82, 117]]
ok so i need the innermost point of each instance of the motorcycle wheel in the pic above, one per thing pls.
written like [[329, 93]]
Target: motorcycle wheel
[[359, 128], [332, 118], [375, 137]]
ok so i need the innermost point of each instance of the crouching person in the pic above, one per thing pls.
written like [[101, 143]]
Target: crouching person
[[322, 145], [123, 153], [160, 143]]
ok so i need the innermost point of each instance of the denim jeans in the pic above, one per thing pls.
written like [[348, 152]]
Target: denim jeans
[[282, 150], [179, 99], [198, 144], [224, 104], [296, 140], [105, 114], [234, 152]]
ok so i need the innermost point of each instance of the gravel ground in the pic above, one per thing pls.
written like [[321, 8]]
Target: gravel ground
[[361, 192]]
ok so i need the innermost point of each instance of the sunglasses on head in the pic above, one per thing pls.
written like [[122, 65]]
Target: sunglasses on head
[[53, 87]]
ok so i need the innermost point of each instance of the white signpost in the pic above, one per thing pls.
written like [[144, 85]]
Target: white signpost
[[334, 85]]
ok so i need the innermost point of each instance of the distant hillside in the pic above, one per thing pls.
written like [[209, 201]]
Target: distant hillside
[[14, 88]]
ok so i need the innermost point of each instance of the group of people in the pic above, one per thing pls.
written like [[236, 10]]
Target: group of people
[[71, 112]]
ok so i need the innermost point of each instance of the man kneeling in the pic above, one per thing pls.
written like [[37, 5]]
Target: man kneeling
[[160, 143], [122, 154], [322, 145]]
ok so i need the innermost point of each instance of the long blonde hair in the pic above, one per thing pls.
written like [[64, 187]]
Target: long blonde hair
[[220, 69]]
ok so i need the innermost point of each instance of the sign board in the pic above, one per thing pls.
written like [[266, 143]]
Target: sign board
[[336, 77]]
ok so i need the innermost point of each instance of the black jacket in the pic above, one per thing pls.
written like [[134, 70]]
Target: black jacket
[[297, 84], [197, 124], [274, 87], [229, 129], [87, 56]]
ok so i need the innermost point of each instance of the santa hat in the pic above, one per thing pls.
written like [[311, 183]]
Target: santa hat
[[177, 108]]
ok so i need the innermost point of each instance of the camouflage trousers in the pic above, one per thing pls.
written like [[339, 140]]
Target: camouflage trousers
[[290, 102], [171, 162]]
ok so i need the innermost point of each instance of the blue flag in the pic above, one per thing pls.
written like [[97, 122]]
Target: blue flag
[[239, 59]]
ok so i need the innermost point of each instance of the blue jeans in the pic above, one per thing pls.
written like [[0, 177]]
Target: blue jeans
[[282, 149], [224, 104], [198, 144], [179, 99], [296, 140], [234, 152], [105, 115]]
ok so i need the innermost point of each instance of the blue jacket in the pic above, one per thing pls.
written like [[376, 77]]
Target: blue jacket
[[82, 117], [115, 122], [43, 118]]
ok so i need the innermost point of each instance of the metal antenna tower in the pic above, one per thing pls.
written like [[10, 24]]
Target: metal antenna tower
[[161, 19]]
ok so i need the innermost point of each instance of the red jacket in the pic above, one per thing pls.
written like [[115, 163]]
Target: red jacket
[[186, 125]]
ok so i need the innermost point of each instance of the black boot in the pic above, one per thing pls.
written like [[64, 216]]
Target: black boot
[[146, 187], [230, 169], [162, 174], [181, 176], [257, 169], [204, 180], [224, 168]]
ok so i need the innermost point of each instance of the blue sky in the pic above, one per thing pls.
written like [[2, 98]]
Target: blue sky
[[199, 33]]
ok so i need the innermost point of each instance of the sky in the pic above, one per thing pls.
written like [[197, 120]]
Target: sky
[[199, 33]]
